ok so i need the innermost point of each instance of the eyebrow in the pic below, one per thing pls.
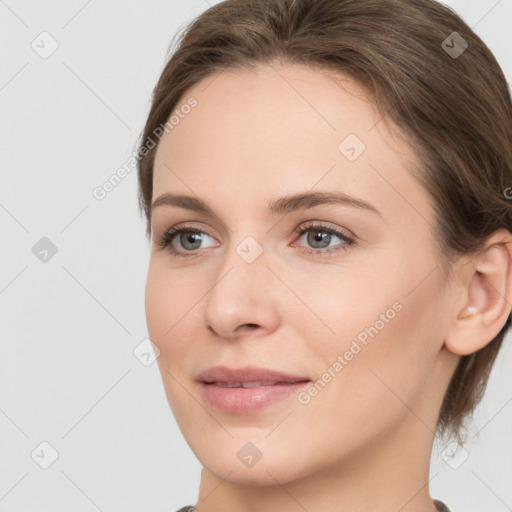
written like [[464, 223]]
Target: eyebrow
[[278, 206]]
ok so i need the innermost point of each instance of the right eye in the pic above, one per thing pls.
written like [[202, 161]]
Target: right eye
[[189, 240]]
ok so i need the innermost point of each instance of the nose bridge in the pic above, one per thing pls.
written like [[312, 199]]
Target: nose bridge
[[244, 262], [239, 294]]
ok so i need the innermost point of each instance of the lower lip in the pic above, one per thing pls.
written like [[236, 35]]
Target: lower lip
[[246, 400]]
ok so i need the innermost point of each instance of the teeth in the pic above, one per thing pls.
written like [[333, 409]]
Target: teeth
[[227, 384], [243, 384], [256, 384]]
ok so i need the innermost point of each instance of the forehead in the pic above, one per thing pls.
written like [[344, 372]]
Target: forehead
[[270, 127]]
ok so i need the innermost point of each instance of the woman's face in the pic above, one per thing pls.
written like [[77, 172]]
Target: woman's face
[[356, 304]]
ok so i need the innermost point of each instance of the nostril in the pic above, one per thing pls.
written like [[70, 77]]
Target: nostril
[[244, 327]]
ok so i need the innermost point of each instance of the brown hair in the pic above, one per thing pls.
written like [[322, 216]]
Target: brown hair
[[452, 102]]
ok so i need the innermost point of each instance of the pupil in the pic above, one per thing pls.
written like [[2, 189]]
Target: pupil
[[191, 238], [319, 236]]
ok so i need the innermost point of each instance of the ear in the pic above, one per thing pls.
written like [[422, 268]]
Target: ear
[[487, 297]]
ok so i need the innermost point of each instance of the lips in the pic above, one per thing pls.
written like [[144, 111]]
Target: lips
[[247, 390], [235, 377]]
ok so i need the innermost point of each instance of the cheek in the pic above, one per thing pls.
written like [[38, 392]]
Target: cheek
[[373, 392], [159, 305], [166, 306], [342, 304], [169, 304], [383, 344]]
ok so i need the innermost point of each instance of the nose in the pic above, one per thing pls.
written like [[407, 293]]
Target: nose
[[243, 298]]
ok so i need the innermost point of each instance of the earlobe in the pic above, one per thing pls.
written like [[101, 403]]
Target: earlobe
[[488, 297]]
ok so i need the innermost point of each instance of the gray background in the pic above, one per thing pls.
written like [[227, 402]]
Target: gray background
[[70, 324]]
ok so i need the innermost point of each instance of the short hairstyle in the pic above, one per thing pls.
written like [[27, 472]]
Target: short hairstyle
[[426, 70]]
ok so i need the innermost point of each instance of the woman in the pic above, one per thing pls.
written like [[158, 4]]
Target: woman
[[324, 184]]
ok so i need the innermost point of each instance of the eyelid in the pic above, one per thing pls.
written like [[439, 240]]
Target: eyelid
[[324, 225], [192, 225]]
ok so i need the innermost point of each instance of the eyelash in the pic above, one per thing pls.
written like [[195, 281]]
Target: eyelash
[[168, 236]]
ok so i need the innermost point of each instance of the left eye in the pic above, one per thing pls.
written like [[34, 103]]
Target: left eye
[[319, 238]]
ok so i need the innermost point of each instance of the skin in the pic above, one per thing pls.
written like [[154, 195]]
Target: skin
[[364, 442]]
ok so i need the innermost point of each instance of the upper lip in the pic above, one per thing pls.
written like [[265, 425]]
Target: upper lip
[[246, 374]]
